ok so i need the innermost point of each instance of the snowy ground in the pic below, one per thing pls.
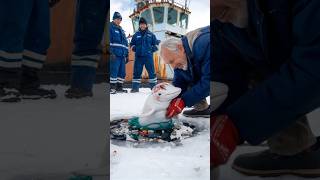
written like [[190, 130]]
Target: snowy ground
[[226, 173], [190, 161], [48, 139]]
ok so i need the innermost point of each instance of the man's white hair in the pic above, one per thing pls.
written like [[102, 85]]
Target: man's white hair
[[171, 44]]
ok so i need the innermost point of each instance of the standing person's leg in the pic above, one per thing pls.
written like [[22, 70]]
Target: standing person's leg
[[137, 72], [121, 74], [90, 21], [114, 68], [36, 44], [151, 72], [14, 17]]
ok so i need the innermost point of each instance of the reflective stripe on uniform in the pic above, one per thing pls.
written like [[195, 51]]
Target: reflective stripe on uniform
[[85, 63], [136, 80], [85, 60], [118, 45], [7, 55], [31, 63], [120, 80], [153, 80], [33, 59], [93, 57], [113, 80], [7, 64], [34, 55]]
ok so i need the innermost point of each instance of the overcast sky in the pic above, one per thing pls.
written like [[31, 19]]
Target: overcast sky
[[200, 13]]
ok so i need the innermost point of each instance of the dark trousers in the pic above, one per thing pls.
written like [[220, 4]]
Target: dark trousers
[[90, 23], [24, 40], [139, 63]]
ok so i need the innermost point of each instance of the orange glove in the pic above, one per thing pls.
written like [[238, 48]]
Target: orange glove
[[224, 139], [176, 106]]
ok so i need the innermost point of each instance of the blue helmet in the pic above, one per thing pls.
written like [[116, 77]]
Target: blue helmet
[[117, 15]]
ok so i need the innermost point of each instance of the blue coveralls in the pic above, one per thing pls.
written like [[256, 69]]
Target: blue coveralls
[[24, 40], [197, 76], [144, 44], [90, 22], [119, 51]]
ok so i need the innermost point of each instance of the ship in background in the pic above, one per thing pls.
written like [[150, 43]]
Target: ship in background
[[166, 19]]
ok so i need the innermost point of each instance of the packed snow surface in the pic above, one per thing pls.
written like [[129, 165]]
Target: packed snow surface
[[48, 139], [166, 161]]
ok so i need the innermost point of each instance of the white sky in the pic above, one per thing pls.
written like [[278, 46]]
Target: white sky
[[200, 13]]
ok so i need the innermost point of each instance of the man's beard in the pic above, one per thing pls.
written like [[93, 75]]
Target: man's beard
[[185, 67]]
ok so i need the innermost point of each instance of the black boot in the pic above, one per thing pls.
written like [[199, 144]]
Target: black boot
[[113, 88], [134, 90], [77, 93], [120, 89], [9, 95], [9, 84], [30, 85], [195, 113], [265, 163]]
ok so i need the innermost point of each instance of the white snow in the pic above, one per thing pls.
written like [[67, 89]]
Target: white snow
[[48, 139], [190, 161]]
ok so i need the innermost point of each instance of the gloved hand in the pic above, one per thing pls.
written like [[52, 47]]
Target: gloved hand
[[224, 139], [52, 3], [175, 107]]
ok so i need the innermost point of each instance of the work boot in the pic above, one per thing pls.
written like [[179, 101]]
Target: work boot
[[134, 90], [113, 88], [120, 89], [265, 163], [9, 95], [76, 93], [37, 93], [194, 113]]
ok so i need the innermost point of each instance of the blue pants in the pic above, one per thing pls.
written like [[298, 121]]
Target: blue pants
[[90, 22], [139, 62], [117, 69], [24, 38]]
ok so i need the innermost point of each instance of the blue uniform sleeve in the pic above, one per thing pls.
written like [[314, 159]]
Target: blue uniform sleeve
[[179, 81], [201, 89], [126, 43], [133, 42], [289, 93], [111, 38], [154, 43]]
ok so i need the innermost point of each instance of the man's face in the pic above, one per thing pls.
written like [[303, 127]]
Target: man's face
[[143, 26], [117, 21], [176, 59]]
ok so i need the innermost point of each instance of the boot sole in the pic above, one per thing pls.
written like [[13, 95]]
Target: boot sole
[[196, 116], [11, 100], [38, 97], [77, 97], [307, 173]]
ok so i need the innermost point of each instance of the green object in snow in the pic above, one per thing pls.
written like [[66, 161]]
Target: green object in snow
[[135, 124]]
